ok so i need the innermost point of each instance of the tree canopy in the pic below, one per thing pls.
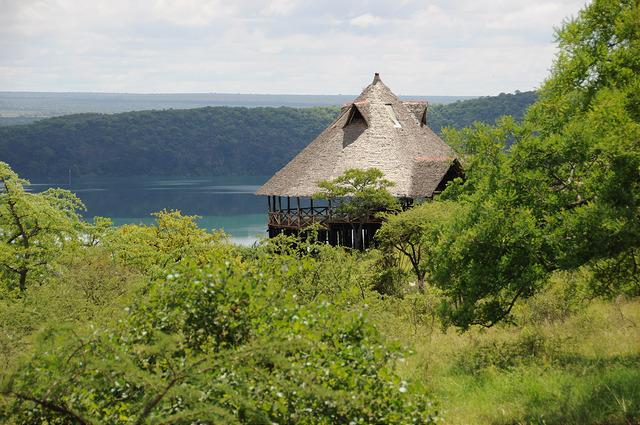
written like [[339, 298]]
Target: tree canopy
[[359, 195], [415, 233], [34, 228], [567, 192]]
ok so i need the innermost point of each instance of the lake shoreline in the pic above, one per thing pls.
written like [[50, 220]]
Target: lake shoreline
[[225, 203]]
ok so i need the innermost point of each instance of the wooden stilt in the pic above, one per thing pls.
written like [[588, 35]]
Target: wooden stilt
[[365, 237], [347, 235]]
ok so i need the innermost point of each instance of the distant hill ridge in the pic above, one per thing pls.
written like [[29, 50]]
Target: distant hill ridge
[[197, 142], [25, 107]]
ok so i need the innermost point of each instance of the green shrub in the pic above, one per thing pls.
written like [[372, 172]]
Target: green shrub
[[565, 294], [315, 270], [422, 309], [530, 346], [221, 343]]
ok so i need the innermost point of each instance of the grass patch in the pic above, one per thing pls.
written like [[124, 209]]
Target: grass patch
[[578, 368]]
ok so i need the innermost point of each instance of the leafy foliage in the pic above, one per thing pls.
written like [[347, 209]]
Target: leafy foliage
[[172, 324], [414, 234], [174, 237], [359, 195], [362, 192], [217, 343], [554, 200], [34, 228], [313, 271]]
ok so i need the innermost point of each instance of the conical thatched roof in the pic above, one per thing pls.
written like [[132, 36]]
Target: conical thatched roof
[[376, 130]]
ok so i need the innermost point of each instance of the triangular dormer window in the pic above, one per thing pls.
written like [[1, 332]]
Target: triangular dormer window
[[355, 117], [419, 111]]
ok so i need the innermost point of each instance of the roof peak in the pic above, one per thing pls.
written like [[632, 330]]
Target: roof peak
[[377, 92]]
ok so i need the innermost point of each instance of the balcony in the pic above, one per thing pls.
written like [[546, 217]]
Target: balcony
[[298, 218]]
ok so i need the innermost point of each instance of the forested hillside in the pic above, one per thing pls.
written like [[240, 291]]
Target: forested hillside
[[485, 109], [202, 141]]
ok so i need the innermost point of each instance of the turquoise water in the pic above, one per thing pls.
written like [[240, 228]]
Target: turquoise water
[[226, 203]]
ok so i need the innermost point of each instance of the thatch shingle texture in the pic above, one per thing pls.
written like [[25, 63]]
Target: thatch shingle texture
[[410, 154]]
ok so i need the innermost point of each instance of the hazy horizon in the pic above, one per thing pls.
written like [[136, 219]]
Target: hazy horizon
[[20, 107]]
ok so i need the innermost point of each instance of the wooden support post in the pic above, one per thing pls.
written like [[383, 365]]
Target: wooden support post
[[269, 200], [365, 236], [346, 237], [299, 218], [312, 220], [279, 203], [331, 233], [288, 204]]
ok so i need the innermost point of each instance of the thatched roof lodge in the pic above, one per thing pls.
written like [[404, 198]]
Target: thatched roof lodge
[[376, 130]]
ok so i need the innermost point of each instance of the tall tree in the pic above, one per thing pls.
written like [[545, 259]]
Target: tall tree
[[359, 194], [414, 234], [34, 228], [567, 193]]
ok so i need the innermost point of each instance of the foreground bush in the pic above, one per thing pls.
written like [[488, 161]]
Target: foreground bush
[[216, 344]]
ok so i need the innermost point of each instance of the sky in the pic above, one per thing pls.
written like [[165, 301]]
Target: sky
[[427, 47]]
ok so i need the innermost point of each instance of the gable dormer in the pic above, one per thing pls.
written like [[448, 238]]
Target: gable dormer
[[419, 111], [355, 116]]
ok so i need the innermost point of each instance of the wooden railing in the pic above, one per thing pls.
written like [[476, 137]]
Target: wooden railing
[[303, 217]]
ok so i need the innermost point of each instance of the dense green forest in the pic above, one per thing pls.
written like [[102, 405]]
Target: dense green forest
[[203, 141], [463, 113], [513, 297]]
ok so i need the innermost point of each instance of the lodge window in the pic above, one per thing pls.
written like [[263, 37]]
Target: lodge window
[[355, 117]]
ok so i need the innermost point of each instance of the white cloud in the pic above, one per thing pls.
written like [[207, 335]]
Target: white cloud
[[280, 46], [279, 7], [189, 13], [366, 20]]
